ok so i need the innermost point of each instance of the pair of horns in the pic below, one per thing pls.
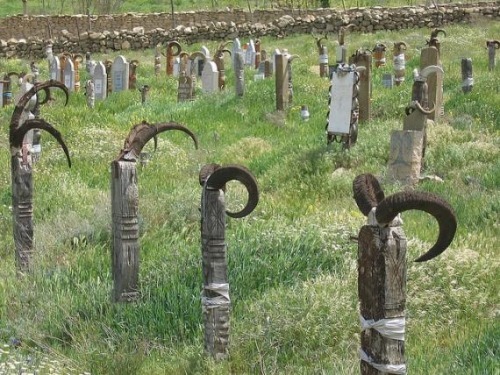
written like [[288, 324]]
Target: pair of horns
[[17, 132], [141, 133], [214, 176], [493, 43], [368, 195]]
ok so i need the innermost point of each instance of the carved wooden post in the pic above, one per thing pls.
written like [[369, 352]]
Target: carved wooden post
[[90, 93], [239, 70], [379, 55], [219, 62], [280, 66], [492, 46], [108, 64], [364, 59], [22, 172], [77, 59], [430, 56], [132, 74], [124, 208], [382, 249], [467, 78], [157, 62], [216, 303], [144, 90], [257, 53], [323, 56]]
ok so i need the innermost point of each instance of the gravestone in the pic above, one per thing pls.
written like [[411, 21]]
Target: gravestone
[[210, 77], [90, 93], [185, 91], [257, 53], [177, 65], [341, 93], [235, 49], [467, 77], [55, 69], [69, 74], [250, 54], [388, 80], [405, 159], [239, 70], [120, 74], [100, 79], [430, 56]]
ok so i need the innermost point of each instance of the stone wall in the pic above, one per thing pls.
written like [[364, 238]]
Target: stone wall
[[26, 36]]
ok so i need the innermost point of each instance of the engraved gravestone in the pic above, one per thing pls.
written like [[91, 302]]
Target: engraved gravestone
[[120, 74], [69, 74], [210, 77], [250, 54], [100, 79], [55, 69]]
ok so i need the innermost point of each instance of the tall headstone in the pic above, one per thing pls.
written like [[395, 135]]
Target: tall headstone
[[210, 78], [239, 70], [120, 74], [69, 74], [250, 54], [235, 49], [100, 79], [364, 59], [55, 69]]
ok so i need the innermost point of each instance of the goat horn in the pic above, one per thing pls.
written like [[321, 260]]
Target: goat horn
[[198, 54], [399, 45], [141, 133], [177, 45], [23, 101], [367, 192], [418, 106], [17, 136], [224, 174], [391, 206], [493, 43], [206, 171]]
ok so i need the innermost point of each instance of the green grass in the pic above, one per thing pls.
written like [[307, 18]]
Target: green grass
[[292, 265]]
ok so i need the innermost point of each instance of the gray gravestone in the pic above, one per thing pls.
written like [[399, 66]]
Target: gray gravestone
[[120, 74], [250, 54], [55, 69], [69, 75], [185, 89], [235, 49], [239, 70], [210, 77], [100, 79]]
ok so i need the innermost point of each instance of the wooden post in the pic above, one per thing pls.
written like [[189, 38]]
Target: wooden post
[[492, 46], [124, 209], [382, 295], [430, 56], [467, 78], [239, 70], [280, 67], [364, 59], [216, 303]]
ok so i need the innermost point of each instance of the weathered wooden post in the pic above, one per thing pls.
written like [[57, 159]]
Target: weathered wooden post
[[22, 173], [157, 61], [408, 145], [132, 74], [284, 84], [341, 54], [323, 55], [215, 298], [343, 106], [125, 205], [429, 56], [399, 61], [89, 64], [467, 78], [7, 88], [173, 49], [185, 89], [144, 90], [258, 46], [379, 55], [492, 46], [77, 59], [90, 93], [219, 62], [382, 248], [239, 71], [108, 64], [363, 59]]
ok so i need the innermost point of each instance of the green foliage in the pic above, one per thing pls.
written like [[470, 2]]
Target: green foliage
[[292, 264]]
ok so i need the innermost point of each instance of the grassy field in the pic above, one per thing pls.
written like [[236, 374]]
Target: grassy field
[[147, 6], [292, 265]]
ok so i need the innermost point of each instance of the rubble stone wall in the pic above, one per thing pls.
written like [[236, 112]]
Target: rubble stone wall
[[27, 36]]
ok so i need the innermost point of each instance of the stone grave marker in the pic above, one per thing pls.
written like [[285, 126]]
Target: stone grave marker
[[185, 91], [239, 71], [120, 74], [250, 54], [235, 49], [210, 77], [405, 158], [69, 74], [100, 79], [55, 69]]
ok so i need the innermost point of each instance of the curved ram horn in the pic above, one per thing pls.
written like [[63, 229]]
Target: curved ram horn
[[134, 62], [400, 46], [435, 33], [224, 174], [141, 133], [197, 54], [176, 44], [17, 136], [23, 101], [379, 47], [367, 192], [493, 43], [206, 171], [416, 104], [78, 58], [391, 206], [291, 58]]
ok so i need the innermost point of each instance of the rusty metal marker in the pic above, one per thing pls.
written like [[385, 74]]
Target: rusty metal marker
[[173, 49], [124, 208], [215, 299], [22, 172], [382, 248]]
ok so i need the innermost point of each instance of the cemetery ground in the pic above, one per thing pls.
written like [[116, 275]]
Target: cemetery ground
[[292, 262]]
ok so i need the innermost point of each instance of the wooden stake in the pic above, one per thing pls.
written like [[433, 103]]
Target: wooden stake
[[364, 58], [280, 67]]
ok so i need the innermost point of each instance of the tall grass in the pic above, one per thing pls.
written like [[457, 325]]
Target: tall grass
[[292, 265]]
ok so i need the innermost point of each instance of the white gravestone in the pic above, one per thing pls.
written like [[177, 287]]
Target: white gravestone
[[250, 54], [341, 90], [55, 69], [210, 77], [235, 49], [100, 79], [120, 74], [69, 75]]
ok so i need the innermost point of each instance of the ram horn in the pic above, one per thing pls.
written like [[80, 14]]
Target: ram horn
[[222, 175], [391, 206], [367, 192], [493, 43], [435, 33], [197, 54], [206, 171], [416, 105], [175, 44], [379, 47], [23, 101], [134, 62], [16, 137], [400, 46], [141, 133]]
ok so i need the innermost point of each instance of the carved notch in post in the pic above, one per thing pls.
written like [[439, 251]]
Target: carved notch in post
[[124, 208], [215, 299], [382, 269], [22, 172]]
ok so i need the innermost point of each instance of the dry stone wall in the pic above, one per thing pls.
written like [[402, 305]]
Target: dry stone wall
[[26, 36]]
